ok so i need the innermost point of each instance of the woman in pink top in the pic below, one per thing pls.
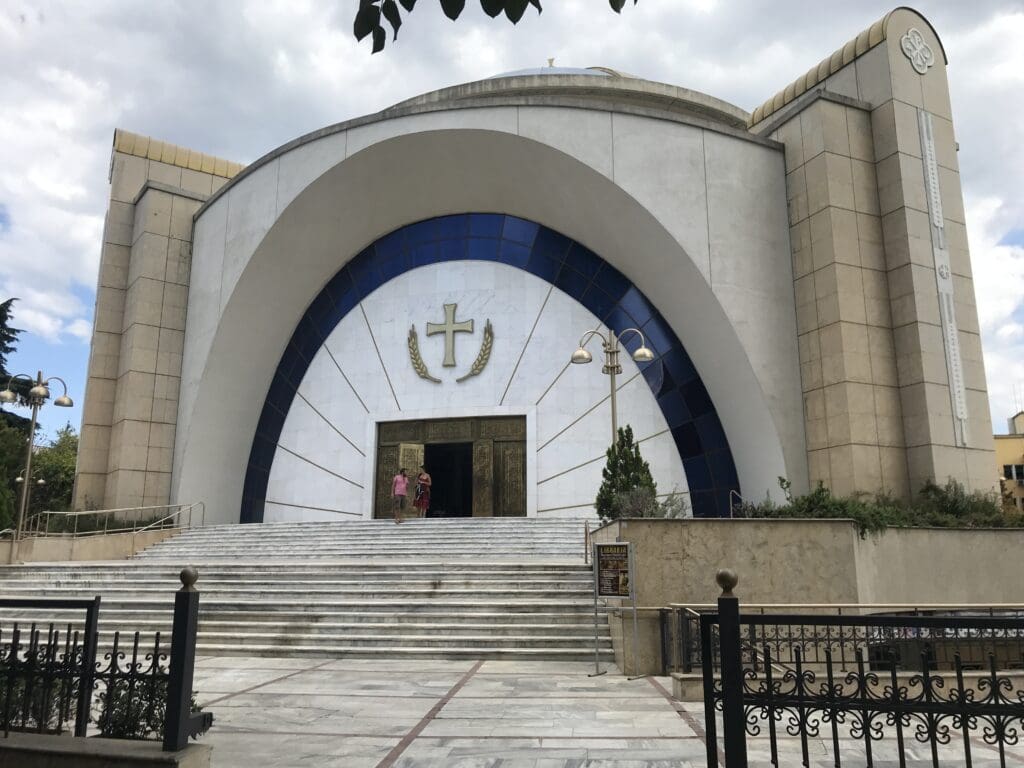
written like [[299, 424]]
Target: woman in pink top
[[422, 499], [399, 490]]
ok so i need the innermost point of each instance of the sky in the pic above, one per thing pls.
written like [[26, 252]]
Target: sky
[[237, 78]]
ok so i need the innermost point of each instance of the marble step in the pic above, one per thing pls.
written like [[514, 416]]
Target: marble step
[[368, 591], [519, 525], [341, 550], [162, 624], [245, 568], [582, 652], [298, 636], [496, 589], [387, 529], [555, 581], [428, 640], [369, 541], [138, 617], [319, 587], [407, 579], [508, 607]]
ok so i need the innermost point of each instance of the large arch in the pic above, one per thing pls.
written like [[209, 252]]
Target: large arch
[[689, 413], [414, 177]]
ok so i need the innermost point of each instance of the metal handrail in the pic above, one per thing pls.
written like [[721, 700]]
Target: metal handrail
[[732, 505], [190, 507], [35, 526]]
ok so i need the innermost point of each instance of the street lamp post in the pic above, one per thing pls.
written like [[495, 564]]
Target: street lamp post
[[26, 488], [612, 367], [37, 395]]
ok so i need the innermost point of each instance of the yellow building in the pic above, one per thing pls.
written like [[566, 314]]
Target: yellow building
[[1010, 459]]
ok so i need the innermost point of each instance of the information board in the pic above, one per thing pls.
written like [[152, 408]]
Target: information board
[[613, 572]]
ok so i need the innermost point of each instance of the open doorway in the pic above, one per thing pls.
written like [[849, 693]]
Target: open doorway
[[478, 464], [451, 468]]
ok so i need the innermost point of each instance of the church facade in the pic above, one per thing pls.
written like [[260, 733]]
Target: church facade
[[408, 287]]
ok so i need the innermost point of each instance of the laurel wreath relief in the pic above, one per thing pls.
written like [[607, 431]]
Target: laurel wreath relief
[[485, 353], [476, 369], [417, 360]]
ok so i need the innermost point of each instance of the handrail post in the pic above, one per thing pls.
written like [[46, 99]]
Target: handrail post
[[733, 718], [180, 723], [586, 542], [685, 643]]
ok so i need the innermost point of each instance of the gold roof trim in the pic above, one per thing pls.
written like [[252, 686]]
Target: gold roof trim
[[138, 145], [828, 66]]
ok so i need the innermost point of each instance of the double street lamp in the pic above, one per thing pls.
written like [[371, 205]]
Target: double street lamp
[[37, 395], [612, 367]]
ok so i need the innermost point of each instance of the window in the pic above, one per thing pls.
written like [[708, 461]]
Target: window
[[1014, 472]]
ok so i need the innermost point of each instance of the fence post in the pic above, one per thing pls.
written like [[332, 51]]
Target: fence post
[[733, 717], [180, 722], [84, 709]]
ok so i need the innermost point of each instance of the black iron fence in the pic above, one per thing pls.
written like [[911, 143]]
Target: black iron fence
[[861, 690], [53, 674], [43, 676], [893, 640]]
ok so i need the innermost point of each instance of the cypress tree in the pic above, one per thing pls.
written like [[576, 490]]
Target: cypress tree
[[625, 470]]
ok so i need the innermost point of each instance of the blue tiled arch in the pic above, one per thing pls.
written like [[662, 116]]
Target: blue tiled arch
[[602, 289]]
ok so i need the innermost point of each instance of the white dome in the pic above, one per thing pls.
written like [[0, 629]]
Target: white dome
[[598, 72]]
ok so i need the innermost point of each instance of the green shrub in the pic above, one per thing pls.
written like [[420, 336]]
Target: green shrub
[[45, 698], [135, 711], [945, 506], [642, 502]]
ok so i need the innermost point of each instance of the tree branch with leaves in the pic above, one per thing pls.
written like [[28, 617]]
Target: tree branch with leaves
[[372, 14]]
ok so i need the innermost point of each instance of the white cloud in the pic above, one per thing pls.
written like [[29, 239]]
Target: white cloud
[[1010, 331], [999, 288], [80, 329]]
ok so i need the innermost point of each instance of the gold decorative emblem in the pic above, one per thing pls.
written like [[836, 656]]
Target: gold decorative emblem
[[485, 353], [449, 328], [417, 360]]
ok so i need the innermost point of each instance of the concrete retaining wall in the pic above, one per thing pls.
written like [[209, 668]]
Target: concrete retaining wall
[[111, 546], [808, 561]]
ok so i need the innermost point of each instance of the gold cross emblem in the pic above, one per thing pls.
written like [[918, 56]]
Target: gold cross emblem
[[449, 328]]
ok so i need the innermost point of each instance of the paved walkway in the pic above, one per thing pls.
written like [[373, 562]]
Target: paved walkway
[[293, 712], [277, 712]]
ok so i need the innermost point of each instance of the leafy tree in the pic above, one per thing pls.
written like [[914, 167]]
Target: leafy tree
[[8, 343], [8, 335], [55, 465], [12, 458], [372, 13], [625, 474]]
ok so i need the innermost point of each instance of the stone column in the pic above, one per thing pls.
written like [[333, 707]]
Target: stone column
[[131, 397], [890, 349], [847, 359]]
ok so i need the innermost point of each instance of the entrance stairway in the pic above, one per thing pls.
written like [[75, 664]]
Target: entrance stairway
[[463, 588]]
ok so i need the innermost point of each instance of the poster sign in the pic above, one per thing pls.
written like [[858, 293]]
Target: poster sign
[[613, 572]]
